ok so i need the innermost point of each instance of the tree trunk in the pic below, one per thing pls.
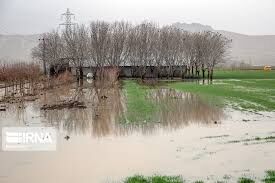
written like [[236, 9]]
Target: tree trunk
[[203, 71], [211, 74], [168, 72], [132, 72], [81, 82], [182, 72], [196, 68], [81, 73], [171, 72], [143, 72]]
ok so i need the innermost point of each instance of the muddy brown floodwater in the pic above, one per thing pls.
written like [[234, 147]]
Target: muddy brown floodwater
[[190, 137]]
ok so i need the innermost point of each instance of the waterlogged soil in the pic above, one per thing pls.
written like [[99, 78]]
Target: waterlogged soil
[[185, 135]]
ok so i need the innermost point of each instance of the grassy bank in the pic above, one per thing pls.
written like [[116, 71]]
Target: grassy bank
[[248, 94], [154, 179], [269, 178]]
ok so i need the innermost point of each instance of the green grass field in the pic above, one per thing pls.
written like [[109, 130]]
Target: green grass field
[[244, 74], [242, 90], [248, 90]]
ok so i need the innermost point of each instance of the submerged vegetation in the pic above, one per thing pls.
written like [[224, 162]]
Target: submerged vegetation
[[243, 94], [266, 139], [158, 104], [139, 107], [248, 94]]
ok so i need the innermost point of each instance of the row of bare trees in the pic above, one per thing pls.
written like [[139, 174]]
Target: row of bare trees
[[121, 43]]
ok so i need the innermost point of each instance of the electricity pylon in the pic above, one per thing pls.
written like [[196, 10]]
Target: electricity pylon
[[68, 20]]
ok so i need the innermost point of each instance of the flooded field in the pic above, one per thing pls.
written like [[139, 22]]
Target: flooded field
[[133, 128]]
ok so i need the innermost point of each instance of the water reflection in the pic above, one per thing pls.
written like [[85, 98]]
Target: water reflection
[[177, 109], [105, 110]]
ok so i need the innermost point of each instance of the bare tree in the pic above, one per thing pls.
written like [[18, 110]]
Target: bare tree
[[144, 51], [218, 50], [140, 46], [76, 47], [174, 42], [118, 52], [189, 51], [99, 42], [158, 49], [132, 49], [51, 50], [202, 50]]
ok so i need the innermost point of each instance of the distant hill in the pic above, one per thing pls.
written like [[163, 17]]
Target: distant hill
[[17, 47], [193, 27], [257, 50]]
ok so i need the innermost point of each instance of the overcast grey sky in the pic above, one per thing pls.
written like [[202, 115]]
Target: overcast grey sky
[[256, 17]]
